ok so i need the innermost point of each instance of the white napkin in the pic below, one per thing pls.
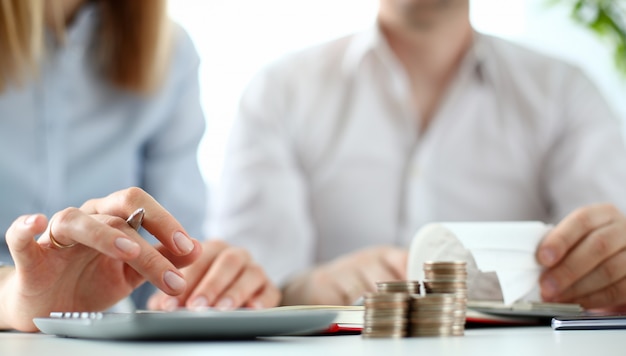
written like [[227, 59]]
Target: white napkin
[[500, 256]]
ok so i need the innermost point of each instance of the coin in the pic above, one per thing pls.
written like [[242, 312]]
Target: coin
[[410, 287], [403, 309], [385, 315]]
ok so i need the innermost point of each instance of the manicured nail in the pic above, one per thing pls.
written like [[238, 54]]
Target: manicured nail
[[170, 304], [30, 219], [125, 245], [174, 281], [257, 304], [224, 304], [547, 256], [199, 302], [183, 243]]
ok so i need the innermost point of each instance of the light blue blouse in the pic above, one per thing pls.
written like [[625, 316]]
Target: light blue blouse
[[68, 136]]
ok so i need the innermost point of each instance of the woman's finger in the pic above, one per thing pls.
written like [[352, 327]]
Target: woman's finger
[[225, 269], [240, 290], [267, 297], [72, 226], [157, 220], [20, 238]]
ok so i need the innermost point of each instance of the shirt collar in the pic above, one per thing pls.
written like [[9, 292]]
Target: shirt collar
[[373, 41], [361, 45], [476, 57], [80, 31]]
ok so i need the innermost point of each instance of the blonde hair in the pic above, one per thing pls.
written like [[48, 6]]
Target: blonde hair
[[131, 42]]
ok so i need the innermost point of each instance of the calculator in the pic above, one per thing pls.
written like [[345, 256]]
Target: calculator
[[185, 324]]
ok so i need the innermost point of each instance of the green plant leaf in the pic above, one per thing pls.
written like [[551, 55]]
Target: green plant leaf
[[607, 19]]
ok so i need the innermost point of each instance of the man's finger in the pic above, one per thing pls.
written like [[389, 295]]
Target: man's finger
[[395, 261], [592, 251], [571, 230], [610, 296], [609, 272]]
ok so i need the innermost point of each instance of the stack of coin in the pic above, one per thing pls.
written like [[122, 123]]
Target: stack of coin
[[449, 277], [409, 287], [434, 315], [385, 315]]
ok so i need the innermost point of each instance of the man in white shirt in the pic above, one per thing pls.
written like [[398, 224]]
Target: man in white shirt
[[341, 152]]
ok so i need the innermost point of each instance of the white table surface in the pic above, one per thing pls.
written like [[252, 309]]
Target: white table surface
[[493, 341]]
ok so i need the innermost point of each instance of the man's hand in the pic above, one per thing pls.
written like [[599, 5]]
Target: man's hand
[[344, 280], [585, 257]]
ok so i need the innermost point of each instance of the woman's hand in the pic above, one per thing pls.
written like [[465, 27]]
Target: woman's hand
[[224, 277], [109, 260]]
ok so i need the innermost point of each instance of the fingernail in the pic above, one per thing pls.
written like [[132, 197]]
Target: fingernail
[[183, 243], [224, 304], [549, 286], [199, 302], [174, 281], [125, 245], [170, 304], [257, 305], [30, 219], [547, 256]]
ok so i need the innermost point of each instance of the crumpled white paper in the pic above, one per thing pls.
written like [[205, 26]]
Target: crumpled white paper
[[500, 256]]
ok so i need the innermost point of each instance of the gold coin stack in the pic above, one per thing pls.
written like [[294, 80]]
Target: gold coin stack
[[387, 310], [434, 315], [408, 287], [448, 278], [385, 315]]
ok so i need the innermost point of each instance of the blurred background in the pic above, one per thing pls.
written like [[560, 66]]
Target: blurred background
[[236, 37]]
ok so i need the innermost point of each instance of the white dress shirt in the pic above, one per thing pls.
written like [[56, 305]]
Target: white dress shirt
[[327, 157], [68, 136]]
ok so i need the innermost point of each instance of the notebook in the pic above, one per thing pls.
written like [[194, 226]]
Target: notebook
[[349, 319]]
